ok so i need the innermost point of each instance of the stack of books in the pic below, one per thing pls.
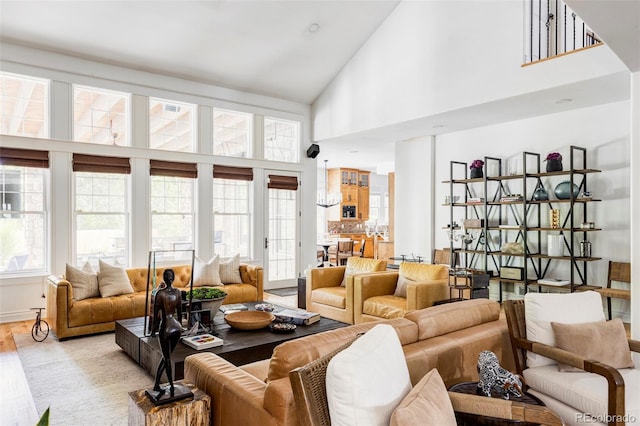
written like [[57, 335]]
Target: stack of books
[[296, 316], [553, 281], [475, 200], [202, 341]]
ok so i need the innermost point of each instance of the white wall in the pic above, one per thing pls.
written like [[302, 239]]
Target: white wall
[[634, 113], [603, 131], [17, 295], [432, 57]]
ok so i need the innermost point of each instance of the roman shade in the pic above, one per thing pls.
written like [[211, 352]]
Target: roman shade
[[99, 164], [173, 169], [235, 173], [24, 158], [283, 182]]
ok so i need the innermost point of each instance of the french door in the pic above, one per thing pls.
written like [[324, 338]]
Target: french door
[[281, 243]]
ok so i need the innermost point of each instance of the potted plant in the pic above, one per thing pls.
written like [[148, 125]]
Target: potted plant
[[554, 162], [475, 169], [210, 297]]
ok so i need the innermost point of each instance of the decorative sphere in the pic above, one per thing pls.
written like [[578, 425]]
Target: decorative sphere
[[563, 189]]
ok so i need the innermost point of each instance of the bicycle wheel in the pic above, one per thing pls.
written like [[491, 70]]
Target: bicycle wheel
[[39, 332]]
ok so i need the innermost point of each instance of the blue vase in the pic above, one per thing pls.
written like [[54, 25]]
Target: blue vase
[[563, 190], [554, 165], [540, 194], [475, 173]]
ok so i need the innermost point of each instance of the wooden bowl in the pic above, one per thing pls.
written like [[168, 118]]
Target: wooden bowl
[[249, 320]]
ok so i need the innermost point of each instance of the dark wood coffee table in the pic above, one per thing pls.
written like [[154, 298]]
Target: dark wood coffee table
[[240, 347]]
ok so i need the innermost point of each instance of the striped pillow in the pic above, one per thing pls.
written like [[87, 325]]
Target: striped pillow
[[230, 270]]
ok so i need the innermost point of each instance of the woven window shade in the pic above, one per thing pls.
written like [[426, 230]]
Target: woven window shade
[[98, 164], [235, 173], [24, 158], [173, 169], [283, 182]]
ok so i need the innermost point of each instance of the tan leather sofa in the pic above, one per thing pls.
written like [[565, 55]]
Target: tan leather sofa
[[68, 317], [374, 297], [325, 294], [447, 337]]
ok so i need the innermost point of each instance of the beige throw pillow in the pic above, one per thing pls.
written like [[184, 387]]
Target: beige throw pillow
[[427, 400], [230, 270], [206, 274], [83, 281], [600, 341], [401, 286], [113, 281]]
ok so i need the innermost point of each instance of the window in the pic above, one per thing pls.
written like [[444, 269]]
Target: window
[[23, 106], [172, 207], [231, 133], [100, 116], [101, 218], [171, 125], [231, 210], [281, 140], [23, 215]]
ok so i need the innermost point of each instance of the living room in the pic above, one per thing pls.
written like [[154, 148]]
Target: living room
[[599, 118]]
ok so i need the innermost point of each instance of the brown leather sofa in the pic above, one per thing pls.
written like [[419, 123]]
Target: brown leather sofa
[[68, 317], [447, 337]]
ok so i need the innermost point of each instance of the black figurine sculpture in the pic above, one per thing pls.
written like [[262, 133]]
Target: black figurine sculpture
[[167, 313]]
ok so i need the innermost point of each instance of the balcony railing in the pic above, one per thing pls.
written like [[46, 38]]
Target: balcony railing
[[553, 29]]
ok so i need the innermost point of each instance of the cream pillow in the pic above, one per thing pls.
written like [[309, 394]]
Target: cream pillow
[[401, 286], [600, 341], [569, 308], [230, 270], [358, 265], [83, 281], [113, 281], [206, 274], [367, 381], [428, 399]]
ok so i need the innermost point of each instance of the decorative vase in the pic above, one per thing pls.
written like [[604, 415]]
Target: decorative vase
[[540, 194], [475, 173], [554, 165], [563, 190], [555, 245]]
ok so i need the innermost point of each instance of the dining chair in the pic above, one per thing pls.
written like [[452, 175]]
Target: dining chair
[[618, 272]]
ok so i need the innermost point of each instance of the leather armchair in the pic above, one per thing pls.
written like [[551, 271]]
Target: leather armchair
[[327, 296], [375, 295]]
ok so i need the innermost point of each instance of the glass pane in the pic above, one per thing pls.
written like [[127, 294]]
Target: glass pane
[[100, 116], [231, 133], [172, 215], [282, 233], [23, 106], [23, 233], [281, 140], [171, 125], [231, 217]]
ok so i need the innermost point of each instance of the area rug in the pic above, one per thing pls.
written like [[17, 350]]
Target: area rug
[[85, 381], [284, 292]]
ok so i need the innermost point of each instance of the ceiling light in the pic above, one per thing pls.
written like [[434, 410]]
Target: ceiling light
[[313, 28], [564, 101], [328, 199]]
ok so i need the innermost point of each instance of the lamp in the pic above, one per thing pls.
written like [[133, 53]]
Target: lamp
[[328, 199]]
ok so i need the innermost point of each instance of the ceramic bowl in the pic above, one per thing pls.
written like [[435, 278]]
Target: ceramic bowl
[[249, 320]]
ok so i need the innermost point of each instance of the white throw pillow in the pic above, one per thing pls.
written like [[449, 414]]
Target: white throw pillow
[[367, 381], [206, 274], [83, 281], [230, 270], [113, 281], [568, 308], [401, 286]]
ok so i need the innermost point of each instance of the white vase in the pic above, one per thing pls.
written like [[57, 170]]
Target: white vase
[[555, 245]]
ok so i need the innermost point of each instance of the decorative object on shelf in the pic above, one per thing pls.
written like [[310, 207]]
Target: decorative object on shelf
[[540, 194], [492, 377], [587, 194], [555, 245], [512, 248], [585, 248], [563, 190], [554, 218], [512, 273], [463, 234], [328, 199], [510, 198], [554, 162], [476, 169], [587, 225]]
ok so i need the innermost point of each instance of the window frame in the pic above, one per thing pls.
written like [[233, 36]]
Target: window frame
[[193, 123], [46, 120], [123, 135]]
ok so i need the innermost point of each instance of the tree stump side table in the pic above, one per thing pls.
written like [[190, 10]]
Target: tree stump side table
[[191, 412]]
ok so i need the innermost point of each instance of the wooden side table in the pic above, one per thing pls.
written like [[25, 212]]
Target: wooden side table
[[471, 388], [192, 412]]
